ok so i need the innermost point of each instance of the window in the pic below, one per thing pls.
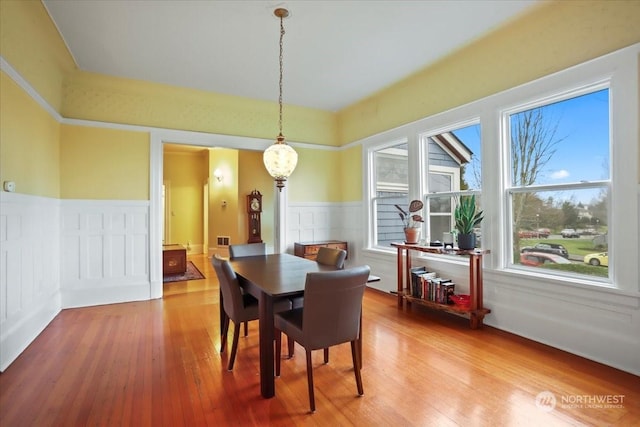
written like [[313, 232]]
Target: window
[[391, 186], [559, 168], [453, 169], [559, 180]]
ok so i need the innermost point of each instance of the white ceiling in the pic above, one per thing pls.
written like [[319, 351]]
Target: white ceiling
[[335, 52]]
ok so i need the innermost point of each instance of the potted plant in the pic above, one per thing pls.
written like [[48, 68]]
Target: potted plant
[[411, 221], [467, 217]]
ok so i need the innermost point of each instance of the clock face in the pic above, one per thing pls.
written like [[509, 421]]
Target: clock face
[[255, 204]]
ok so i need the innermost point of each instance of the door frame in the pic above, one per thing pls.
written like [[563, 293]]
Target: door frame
[[157, 139]]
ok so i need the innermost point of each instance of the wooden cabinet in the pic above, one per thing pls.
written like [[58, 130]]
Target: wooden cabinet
[[174, 259], [309, 250], [475, 312]]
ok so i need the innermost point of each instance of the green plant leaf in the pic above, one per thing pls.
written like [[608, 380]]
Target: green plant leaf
[[466, 215]]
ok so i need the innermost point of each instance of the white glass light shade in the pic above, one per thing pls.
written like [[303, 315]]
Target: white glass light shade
[[280, 160]]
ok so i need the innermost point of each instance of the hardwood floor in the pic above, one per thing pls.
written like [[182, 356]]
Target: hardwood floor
[[157, 363]]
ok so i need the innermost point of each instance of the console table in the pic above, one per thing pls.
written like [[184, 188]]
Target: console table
[[309, 250], [475, 312]]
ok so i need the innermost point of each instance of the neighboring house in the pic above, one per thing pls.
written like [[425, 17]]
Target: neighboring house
[[584, 212], [447, 155]]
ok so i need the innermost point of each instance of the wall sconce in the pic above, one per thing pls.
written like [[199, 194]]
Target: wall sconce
[[218, 175]]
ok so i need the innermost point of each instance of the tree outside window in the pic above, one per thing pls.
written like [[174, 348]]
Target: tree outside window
[[559, 180]]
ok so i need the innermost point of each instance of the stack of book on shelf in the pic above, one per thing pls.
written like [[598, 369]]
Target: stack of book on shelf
[[428, 286]]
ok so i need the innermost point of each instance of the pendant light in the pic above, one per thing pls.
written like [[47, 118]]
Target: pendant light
[[280, 159]]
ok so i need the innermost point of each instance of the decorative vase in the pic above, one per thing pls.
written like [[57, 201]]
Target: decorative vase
[[411, 235], [467, 241]]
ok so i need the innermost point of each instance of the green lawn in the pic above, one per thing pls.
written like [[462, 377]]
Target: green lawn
[[587, 269]]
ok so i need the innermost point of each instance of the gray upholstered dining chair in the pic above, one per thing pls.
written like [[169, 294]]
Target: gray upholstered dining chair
[[247, 249], [238, 307], [331, 315], [333, 257]]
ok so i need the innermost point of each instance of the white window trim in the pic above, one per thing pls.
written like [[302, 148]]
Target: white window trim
[[621, 69]]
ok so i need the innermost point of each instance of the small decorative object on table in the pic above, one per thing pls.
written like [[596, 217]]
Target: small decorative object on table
[[461, 300], [447, 240], [411, 221], [467, 217]]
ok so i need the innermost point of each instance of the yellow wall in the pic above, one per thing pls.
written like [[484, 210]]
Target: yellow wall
[[554, 36], [224, 220], [93, 96], [351, 165], [29, 143], [187, 173], [97, 163], [32, 45], [318, 176]]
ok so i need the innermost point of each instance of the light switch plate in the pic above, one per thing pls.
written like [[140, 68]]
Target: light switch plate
[[9, 186]]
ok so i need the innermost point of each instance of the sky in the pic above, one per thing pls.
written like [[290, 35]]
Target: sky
[[582, 151]]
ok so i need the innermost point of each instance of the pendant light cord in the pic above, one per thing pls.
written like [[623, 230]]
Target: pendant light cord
[[281, 68]]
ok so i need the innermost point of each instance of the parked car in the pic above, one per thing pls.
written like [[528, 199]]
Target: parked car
[[527, 234], [568, 233], [544, 232], [536, 259], [548, 248], [601, 258], [540, 233]]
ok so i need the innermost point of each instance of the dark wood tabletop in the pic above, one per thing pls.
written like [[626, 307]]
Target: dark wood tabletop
[[277, 275]]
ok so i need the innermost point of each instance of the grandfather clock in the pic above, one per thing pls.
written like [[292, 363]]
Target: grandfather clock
[[254, 209]]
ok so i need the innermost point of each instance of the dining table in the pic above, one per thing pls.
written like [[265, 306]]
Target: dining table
[[269, 278]]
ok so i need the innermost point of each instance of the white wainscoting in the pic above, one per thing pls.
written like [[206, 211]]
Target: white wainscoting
[[29, 270], [105, 252], [310, 222]]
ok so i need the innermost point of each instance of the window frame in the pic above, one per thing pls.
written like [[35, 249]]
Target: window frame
[[621, 70], [511, 189], [371, 218], [423, 138]]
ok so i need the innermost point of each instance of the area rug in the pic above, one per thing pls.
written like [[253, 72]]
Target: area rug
[[192, 273]]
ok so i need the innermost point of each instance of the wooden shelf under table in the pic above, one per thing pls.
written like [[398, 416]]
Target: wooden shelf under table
[[475, 313], [475, 316]]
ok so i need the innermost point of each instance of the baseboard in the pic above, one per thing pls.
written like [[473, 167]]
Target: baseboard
[[105, 294], [14, 341]]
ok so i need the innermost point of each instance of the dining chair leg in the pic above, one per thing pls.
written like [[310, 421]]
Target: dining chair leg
[[291, 346], [326, 355], [246, 329], [359, 342], [278, 336], [356, 366], [234, 346], [312, 399], [225, 331]]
